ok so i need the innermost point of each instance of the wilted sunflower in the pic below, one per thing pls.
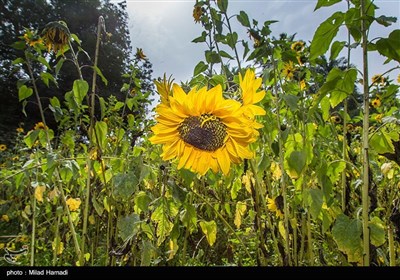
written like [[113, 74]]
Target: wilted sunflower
[[203, 129], [376, 103], [276, 205], [197, 13], [56, 35], [378, 79], [140, 54]]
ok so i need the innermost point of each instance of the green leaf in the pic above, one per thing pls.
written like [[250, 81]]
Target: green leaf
[[75, 38], [243, 18], [128, 226], [31, 137], [291, 101], [189, 217], [325, 106], [377, 231], [97, 207], [18, 61], [103, 108], [353, 23], [212, 57], [325, 3], [160, 216], [200, 67], [386, 21], [390, 47], [59, 65], [236, 187], [142, 201], [334, 170], [24, 92], [210, 231], [125, 185], [225, 54], [343, 87], [118, 105], [42, 60], [101, 129], [201, 38], [98, 71], [381, 142], [223, 5], [314, 201], [45, 76], [297, 161], [80, 89], [218, 80], [324, 35], [336, 48], [347, 234], [231, 39]]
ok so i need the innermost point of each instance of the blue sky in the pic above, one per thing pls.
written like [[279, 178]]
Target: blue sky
[[164, 29]]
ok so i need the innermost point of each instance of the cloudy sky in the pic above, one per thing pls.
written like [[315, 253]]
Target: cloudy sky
[[164, 29]]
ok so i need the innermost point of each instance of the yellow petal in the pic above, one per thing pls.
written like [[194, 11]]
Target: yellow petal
[[186, 154], [223, 161]]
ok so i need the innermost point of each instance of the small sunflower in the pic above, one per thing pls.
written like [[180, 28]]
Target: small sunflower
[[303, 84], [32, 39], [56, 35], [376, 103], [288, 70], [297, 46], [3, 148], [197, 13], [336, 119], [379, 117], [19, 130], [40, 125], [378, 79], [276, 205], [73, 203], [204, 130], [140, 54]]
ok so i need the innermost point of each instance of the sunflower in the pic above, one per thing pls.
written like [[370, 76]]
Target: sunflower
[[40, 125], [276, 205], [19, 130], [3, 148], [297, 46], [197, 13], [140, 54], [288, 70], [203, 129], [378, 79], [376, 103], [32, 39], [336, 119], [56, 35]]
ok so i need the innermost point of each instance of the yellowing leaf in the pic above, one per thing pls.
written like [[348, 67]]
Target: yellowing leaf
[[73, 203], [39, 190], [173, 248], [210, 230], [240, 211], [282, 229], [60, 247], [276, 171], [87, 256], [91, 220]]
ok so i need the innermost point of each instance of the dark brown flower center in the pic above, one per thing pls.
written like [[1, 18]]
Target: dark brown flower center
[[205, 132]]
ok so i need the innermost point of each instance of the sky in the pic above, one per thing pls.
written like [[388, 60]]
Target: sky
[[164, 29]]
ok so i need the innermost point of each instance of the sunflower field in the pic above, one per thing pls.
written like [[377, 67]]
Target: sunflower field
[[277, 152]]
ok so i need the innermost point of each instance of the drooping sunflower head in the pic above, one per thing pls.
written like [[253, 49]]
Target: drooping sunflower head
[[202, 129], [276, 205], [56, 35], [140, 54], [378, 80], [197, 13]]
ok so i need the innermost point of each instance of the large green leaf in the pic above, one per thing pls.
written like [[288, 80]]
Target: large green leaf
[[24, 92], [381, 142], [347, 234], [210, 231], [335, 169], [80, 89], [189, 217], [314, 200], [324, 35], [297, 161], [161, 216], [128, 226], [325, 3], [390, 47], [125, 185], [101, 129], [243, 18], [377, 231]]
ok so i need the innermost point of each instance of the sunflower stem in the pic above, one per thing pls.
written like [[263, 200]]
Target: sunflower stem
[[392, 254], [365, 158], [57, 240], [32, 261]]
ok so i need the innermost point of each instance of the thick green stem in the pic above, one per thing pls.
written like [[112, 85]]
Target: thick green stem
[[365, 177], [392, 253], [309, 240]]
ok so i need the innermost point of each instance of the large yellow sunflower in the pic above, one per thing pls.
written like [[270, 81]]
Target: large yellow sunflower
[[204, 130]]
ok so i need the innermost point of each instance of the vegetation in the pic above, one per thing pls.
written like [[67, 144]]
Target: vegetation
[[272, 154]]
